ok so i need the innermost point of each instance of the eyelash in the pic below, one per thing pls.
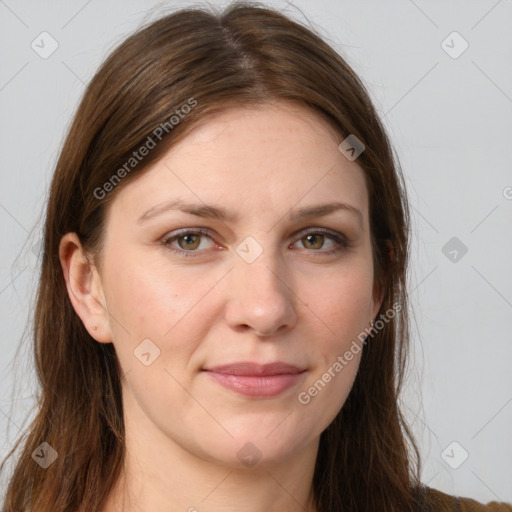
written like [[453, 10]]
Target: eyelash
[[341, 240]]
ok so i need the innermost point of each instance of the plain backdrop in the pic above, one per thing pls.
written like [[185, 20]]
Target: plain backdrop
[[439, 73]]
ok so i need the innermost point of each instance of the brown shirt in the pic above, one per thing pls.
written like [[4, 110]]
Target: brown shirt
[[438, 501]]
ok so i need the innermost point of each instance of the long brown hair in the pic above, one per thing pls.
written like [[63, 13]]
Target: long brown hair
[[247, 54]]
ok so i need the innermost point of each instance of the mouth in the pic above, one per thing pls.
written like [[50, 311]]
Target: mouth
[[255, 380], [255, 369]]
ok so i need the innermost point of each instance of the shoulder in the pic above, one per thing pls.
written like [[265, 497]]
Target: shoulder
[[438, 501]]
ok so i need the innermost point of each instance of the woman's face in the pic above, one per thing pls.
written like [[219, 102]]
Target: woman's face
[[264, 282]]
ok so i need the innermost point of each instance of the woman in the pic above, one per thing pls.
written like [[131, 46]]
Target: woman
[[222, 319]]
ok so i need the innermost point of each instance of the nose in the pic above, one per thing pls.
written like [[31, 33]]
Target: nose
[[260, 297]]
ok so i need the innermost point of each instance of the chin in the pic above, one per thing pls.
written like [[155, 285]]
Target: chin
[[250, 448]]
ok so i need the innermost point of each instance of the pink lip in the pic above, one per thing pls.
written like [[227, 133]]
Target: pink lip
[[254, 380], [254, 369]]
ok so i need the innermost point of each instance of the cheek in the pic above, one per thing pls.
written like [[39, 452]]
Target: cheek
[[150, 297], [340, 309], [155, 303], [325, 392], [341, 302]]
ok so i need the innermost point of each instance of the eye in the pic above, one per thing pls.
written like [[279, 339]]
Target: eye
[[188, 241], [316, 240]]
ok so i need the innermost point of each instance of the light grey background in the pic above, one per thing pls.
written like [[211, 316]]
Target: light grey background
[[450, 121]]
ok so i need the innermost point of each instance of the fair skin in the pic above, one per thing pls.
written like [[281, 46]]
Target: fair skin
[[294, 303]]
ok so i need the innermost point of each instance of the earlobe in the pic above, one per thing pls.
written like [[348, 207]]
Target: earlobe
[[84, 287]]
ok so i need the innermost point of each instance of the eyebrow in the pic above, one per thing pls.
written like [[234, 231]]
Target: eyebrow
[[220, 213]]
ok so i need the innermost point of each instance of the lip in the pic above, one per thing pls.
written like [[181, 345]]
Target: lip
[[255, 380], [255, 369]]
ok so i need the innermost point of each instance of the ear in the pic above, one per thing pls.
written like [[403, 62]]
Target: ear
[[84, 288], [378, 295], [377, 302]]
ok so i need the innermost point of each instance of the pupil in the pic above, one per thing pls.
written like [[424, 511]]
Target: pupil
[[313, 238], [189, 240]]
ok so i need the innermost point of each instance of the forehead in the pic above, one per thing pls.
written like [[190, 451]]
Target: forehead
[[280, 118], [268, 157]]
